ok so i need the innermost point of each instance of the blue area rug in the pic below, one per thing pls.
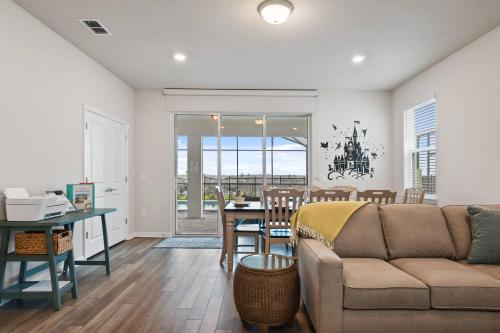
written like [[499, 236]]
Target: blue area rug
[[191, 243]]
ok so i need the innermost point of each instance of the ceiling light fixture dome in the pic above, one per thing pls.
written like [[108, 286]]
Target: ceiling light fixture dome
[[358, 58], [275, 11], [180, 57]]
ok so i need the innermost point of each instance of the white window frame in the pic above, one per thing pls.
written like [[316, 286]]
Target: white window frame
[[411, 150]]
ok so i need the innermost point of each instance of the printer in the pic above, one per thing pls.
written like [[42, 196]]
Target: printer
[[20, 206]]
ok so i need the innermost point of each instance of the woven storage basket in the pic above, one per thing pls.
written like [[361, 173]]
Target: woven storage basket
[[266, 297], [33, 242]]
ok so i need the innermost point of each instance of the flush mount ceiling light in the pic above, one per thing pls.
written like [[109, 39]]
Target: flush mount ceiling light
[[358, 58], [259, 122], [180, 57], [275, 11]]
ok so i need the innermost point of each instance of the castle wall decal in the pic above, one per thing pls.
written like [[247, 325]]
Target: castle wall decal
[[355, 157]]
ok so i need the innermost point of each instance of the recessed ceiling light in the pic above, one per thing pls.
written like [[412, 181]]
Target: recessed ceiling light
[[275, 11], [180, 57], [258, 122], [294, 128], [358, 58]]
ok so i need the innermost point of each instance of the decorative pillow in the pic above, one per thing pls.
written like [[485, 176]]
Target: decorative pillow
[[485, 247]]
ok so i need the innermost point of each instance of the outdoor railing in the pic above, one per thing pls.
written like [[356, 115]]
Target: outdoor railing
[[238, 185]]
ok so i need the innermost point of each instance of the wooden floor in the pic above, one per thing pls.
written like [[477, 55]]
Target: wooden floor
[[150, 290]]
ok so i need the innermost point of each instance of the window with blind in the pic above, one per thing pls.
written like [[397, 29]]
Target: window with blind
[[420, 148]]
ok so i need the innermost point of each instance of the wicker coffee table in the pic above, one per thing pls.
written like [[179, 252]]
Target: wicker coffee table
[[266, 290]]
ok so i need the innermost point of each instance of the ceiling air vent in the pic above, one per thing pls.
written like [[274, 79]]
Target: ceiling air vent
[[95, 26]]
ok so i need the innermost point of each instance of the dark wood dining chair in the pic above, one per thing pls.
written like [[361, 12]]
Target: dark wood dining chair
[[414, 196], [240, 230], [279, 206], [329, 195], [381, 197]]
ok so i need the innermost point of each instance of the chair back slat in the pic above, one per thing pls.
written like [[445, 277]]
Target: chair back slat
[[222, 204], [280, 204], [380, 197], [414, 196], [329, 195]]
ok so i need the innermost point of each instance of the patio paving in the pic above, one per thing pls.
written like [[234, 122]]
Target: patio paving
[[207, 225]]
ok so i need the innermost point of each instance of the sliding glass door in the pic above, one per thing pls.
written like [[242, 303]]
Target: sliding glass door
[[196, 208], [239, 153], [287, 150]]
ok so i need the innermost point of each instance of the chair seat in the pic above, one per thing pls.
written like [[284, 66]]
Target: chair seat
[[247, 228], [277, 233]]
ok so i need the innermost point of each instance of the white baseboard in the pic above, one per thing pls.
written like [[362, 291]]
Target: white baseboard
[[149, 235]]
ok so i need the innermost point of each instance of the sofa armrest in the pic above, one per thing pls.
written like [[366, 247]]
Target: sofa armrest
[[321, 284]]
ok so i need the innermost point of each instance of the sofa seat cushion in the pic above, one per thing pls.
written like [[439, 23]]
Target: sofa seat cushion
[[371, 283], [453, 285], [493, 270], [362, 236]]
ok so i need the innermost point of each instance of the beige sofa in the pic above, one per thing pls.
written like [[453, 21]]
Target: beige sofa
[[400, 268]]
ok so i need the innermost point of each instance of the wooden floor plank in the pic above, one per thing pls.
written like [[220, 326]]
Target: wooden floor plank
[[200, 305], [191, 326], [209, 323]]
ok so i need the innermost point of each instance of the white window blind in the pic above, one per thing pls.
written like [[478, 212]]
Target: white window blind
[[420, 148]]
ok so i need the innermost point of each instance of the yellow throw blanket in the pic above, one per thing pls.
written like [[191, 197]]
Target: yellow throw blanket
[[322, 221]]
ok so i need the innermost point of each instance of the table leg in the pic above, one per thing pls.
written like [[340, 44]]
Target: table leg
[[229, 241], [56, 295], [70, 263], [66, 262], [4, 247], [22, 272], [106, 245]]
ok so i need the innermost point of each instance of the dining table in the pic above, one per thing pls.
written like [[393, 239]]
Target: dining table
[[250, 210]]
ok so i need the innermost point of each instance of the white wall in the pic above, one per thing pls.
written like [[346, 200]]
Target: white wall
[[45, 81], [154, 155], [373, 110], [155, 147], [466, 86]]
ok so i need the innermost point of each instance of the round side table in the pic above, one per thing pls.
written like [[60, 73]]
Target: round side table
[[266, 290]]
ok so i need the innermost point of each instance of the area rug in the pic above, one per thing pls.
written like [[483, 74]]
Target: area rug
[[191, 243]]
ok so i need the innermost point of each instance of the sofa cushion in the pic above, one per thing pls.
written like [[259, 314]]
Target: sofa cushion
[[415, 231], [361, 236], [485, 246], [371, 283], [459, 222], [453, 285], [493, 270]]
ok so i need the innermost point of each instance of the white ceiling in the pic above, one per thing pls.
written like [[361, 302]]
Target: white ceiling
[[229, 46]]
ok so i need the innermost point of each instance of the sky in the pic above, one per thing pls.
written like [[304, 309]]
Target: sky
[[250, 160]]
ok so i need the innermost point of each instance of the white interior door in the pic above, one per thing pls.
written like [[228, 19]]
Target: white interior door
[[106, 164]]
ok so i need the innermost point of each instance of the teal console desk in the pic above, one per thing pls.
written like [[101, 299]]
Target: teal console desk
[[67, 221]]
